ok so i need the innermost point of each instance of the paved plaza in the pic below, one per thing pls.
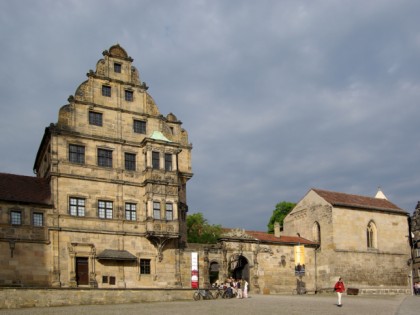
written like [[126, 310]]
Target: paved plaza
[[256, 304]]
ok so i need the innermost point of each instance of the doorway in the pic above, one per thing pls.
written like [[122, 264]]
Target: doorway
[[240, 268], [82, 270], [214, 272]]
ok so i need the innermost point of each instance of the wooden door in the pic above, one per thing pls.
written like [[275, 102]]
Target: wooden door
[[82, 270]]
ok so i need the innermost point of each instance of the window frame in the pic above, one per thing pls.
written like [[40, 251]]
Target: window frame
[[117, 67], [129, 95], [155, 160], [95, 118], [106, 90], [104, 157], [371, 236], [130, 211], [139, 126], [16, 217], [168, 162], [129, 161], [145, 266], [35, 219], [169, 213], [156, 210], [80, 209], [77, 153], [105, 209]]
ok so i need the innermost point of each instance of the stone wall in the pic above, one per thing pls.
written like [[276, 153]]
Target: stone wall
[[21, 298]]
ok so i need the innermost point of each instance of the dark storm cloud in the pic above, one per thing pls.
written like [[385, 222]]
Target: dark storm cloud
[[277, 96]]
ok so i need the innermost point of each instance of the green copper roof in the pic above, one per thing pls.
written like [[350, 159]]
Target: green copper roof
[[157, 135]]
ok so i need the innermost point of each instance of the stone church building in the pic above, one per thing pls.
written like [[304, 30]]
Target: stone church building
[[108, 207]]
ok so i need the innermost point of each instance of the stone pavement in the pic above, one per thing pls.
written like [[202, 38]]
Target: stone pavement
[[256, 304]]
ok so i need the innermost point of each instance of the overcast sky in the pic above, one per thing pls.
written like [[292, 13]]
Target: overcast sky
[[278, 97]]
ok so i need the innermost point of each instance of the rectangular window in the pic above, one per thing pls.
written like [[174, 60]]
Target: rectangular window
[[156, 210], [112, 280], [76, 153], [130, 161], [169, 212], [130, 211], [95, 118], [38, 219], [15, 217], [106, 90], [168, 162], [128, 95], [77, 206], [155, 160], [145, 266], [105, 209], [117, 67], [104, 158], [104, 279], [139, 126]]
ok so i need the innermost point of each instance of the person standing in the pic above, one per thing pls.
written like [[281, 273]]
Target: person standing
[[339, 288], [239, 289], [245, 289]]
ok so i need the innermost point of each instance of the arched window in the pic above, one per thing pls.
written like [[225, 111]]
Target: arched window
[[316, 232], [371, 235]]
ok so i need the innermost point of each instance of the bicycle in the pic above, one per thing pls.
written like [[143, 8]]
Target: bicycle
[[299, 291], [204, 294]]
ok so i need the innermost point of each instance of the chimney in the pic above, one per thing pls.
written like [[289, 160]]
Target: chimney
[[276, 229]]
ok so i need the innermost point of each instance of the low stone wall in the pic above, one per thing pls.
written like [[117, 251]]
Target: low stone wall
[[31, 297]]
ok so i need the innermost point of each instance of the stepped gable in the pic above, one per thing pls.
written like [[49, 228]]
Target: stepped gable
[[24, 189]]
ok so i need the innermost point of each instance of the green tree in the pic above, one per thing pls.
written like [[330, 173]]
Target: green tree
[[200, 231], [282, 209]]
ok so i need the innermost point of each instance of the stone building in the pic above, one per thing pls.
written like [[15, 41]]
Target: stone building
[[362, 239], [113, 173], [267, 261], [415, 244], [108, 206]]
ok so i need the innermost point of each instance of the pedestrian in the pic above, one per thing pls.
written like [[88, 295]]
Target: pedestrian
[[245, 289], [339, 288], [239, 289]]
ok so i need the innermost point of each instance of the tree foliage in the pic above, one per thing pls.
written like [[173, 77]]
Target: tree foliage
[[200, 231], [282, 209]]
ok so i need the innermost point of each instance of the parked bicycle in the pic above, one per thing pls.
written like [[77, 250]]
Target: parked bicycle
[[299, 291], [204, 294]]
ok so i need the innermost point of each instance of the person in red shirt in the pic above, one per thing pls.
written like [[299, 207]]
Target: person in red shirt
[[339, 288]]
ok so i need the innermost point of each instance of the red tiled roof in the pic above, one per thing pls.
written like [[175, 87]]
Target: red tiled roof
[[271, 238], [266, 237], [356, 201], [25, 189]]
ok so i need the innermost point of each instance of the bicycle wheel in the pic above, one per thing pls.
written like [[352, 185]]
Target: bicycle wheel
[[196, 296], [210, 295]]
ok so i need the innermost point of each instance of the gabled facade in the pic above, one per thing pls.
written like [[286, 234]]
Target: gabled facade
[[362, 239], [117, 171]]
